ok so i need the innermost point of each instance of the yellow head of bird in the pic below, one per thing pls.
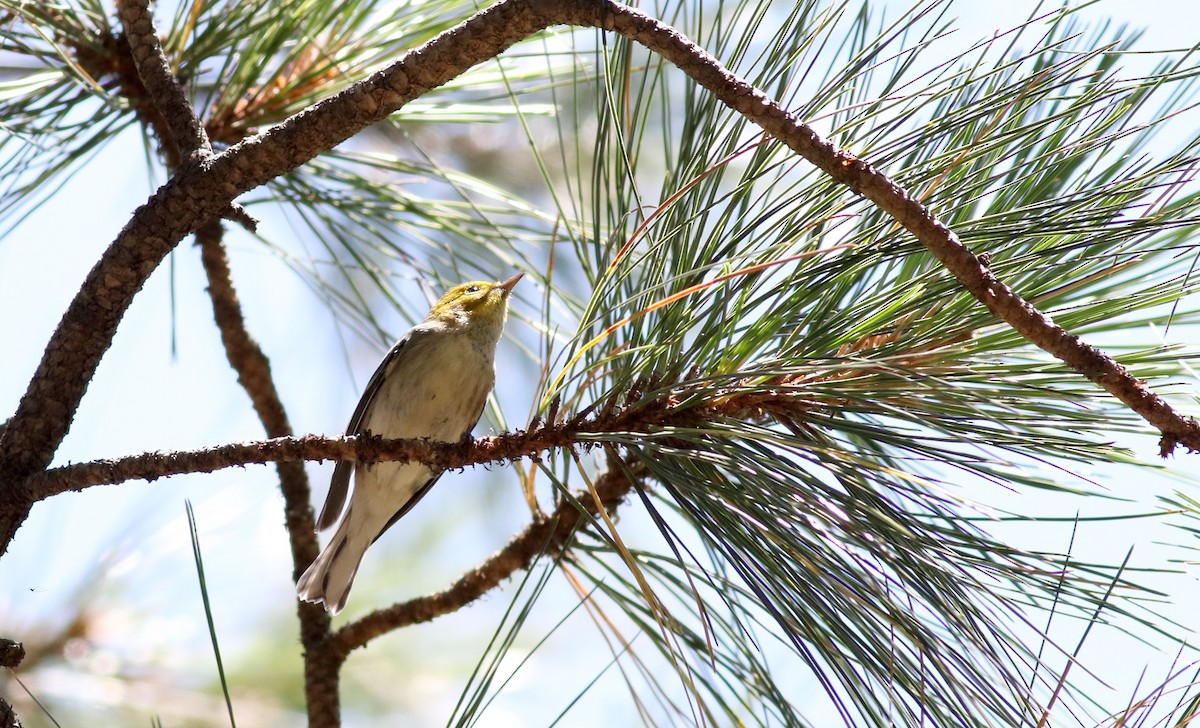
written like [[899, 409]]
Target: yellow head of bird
[[477, 301]]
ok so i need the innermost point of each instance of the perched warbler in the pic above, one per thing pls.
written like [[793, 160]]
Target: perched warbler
[[432, 384]]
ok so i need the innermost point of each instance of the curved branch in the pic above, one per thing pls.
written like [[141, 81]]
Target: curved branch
[[546, 535]]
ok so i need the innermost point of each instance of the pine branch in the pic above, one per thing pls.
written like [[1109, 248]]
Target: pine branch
[[183, 132], [635, 418], [185, 142], [254, 374]]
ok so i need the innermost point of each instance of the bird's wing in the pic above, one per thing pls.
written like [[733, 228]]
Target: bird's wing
[[339, 485]]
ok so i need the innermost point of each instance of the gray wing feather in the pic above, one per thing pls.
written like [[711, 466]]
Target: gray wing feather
[[339, 485]]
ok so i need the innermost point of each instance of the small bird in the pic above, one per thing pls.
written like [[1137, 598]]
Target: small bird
[[432, 384]]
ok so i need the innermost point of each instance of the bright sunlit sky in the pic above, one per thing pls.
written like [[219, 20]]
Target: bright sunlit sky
[[149, 396]]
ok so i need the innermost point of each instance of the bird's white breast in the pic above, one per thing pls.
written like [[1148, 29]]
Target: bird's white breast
[[440, 399]]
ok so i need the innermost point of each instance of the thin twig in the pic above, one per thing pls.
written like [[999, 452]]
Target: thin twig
[[236, 213]]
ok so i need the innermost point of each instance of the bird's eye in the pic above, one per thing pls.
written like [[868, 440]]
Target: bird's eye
[[473, 289]]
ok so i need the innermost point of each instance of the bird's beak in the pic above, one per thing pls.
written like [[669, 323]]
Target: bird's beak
[[507, 286]]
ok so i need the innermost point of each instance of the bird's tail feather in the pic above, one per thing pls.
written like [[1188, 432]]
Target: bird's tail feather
[[329, 578]]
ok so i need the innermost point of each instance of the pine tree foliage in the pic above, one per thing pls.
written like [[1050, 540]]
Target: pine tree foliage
[[825, 410], [838, 514]]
